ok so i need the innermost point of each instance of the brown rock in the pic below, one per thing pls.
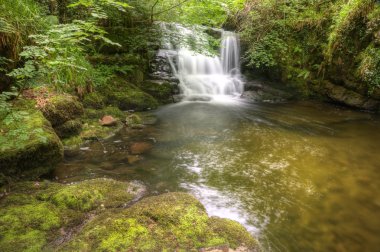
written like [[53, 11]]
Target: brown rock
[[108, 121], [140, 148]]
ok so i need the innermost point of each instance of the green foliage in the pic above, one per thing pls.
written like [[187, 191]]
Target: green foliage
[[313, 40], [369, 68], [19, 19], [58, 56], [5, 105]]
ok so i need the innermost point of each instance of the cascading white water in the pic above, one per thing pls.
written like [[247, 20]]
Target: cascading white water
[[202, 75]]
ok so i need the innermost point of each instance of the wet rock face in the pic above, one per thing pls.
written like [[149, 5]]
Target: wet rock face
[[263, 92], [351, 98], [29, 147]]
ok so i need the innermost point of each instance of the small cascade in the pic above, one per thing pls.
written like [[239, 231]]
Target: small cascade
[[203, 75], [230, 53]]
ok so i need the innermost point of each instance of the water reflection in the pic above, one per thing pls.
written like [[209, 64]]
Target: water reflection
[[301, 177]]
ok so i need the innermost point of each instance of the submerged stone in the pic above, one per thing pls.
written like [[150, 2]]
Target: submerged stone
[[140, 148]]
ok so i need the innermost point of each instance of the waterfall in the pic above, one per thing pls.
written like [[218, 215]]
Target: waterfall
[[202, 75]]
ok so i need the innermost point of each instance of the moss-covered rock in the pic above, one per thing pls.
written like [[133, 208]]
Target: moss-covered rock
[[69, 128], [62, 108], [134, 121], [28, 144], [127, 96], [169, 222], [92, 129], [34, 215], [162, 91], [132, 98], [94, 100], [99, 113]]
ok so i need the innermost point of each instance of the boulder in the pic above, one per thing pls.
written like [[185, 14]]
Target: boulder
[[94, 100], [108, 120], [38, 216], [127, 96], [28, 144], [168, 222], [163, 91], [69, 128], [62, 108], [343, 95]]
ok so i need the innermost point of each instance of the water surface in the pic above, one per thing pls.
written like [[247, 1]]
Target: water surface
[[300, 176]]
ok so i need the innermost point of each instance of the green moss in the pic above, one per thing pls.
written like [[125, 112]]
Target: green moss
[[132, 99], [26, 227], [94, 100], [91, 194], [169, 222], [73, 142], [127, 96], [92, 130], [69, 128], [99, 113], [163, 92], [28, 144], [62, 108], [33, 214], [133, 120]]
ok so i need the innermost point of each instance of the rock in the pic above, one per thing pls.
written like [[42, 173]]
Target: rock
[[28, 145], [108, 121], [134, 122], [169, 222], [94, 100], [163, 91], [69, 128], [264, 92], [62, 108], [99, 113], [129, 97], [140, 148], [342, 95], [38, 216]]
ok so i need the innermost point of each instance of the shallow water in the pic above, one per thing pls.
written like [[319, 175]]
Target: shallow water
[[300, 176]]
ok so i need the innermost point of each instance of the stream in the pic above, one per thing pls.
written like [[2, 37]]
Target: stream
[[300, 176]]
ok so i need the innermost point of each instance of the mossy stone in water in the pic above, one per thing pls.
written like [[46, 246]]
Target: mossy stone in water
[[169, 222], [28, 145]]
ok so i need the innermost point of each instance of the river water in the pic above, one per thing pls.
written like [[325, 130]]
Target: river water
[[301, 176]]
